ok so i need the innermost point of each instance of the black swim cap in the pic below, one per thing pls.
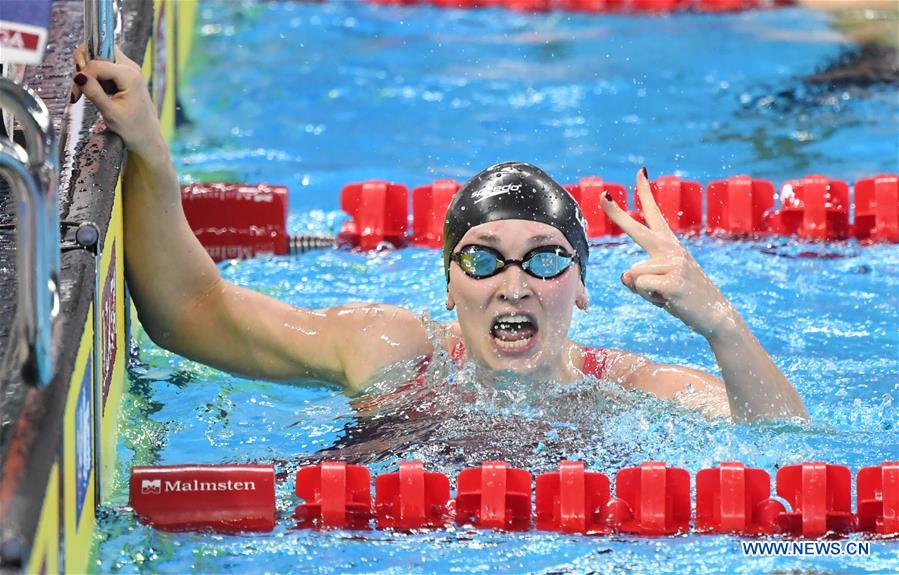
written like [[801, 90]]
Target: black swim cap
[[514, 191]]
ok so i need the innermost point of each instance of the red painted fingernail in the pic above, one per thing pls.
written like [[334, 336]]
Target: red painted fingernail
[[607, 196], [72, 98], [80, 79], [645, 173]]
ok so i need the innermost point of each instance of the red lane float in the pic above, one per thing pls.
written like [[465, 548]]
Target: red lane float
[[528, 5], [814, 208], [819, 496], [597, 6], [378, 213], [465, 4], [733, 498], [652, 499], [877, 208], [679, 201], [590, 5], [658, 6], [732, 5], [494, 496], [411, 498], [572, 500], [429, 205], [237, 221], [336, 495], [737, 205], [226, 498], [587, 194], [878, 498]]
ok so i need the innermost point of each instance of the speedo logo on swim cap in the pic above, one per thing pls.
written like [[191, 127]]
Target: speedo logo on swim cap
[[582, 220], [481, 195]]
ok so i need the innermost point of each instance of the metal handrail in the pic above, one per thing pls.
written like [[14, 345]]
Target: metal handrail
[[99, 29], [33, 176], [100, 19]]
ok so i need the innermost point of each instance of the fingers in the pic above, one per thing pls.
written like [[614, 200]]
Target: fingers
[[121, 58], [99, 73], [103, 70], [90, 87], [80, 63], [653, 266], [637, 231], [652, 288], [79, 58], [651, 212], [118, 72], [656, 267]]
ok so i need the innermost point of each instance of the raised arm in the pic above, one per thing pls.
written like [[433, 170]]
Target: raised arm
[[182, 300], [673, 280]]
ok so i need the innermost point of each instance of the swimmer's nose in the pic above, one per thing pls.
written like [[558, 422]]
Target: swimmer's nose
[[515, 285]]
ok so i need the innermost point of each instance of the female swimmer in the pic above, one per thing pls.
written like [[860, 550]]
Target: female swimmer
[[515, 258]]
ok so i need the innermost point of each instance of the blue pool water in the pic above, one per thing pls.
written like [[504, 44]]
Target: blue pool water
[[315, 96]]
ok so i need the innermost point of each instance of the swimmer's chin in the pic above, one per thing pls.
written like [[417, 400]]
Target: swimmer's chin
[[515, 367], [528, 363]]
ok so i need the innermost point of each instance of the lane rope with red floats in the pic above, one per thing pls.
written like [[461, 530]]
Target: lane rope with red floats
[[652, 499], [598, 6], [236, 221]]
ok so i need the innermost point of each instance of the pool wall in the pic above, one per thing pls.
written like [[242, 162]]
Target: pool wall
[[50, 462]]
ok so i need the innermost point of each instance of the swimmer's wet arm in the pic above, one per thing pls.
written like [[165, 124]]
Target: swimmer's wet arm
[[165, 265], [756, 388], [250, 334], [182, 301], [674, 281], [692, 388], [752, 388]]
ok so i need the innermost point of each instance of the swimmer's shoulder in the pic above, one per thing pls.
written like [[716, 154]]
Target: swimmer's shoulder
[[613, 365], [691, 387], [373, 336]]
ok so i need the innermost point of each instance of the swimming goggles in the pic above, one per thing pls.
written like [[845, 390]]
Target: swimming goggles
[[544, 262]]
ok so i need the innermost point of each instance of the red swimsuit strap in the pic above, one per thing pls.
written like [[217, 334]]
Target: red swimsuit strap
[[595, 362], [458, 352]]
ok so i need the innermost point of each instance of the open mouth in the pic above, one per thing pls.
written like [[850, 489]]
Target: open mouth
[[513, 332]]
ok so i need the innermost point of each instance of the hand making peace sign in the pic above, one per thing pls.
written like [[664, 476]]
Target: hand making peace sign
[[670, 278]]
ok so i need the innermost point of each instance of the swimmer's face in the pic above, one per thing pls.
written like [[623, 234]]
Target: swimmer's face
[[514, 321]]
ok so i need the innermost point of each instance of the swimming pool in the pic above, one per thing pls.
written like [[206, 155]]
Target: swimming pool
[[316, 96]]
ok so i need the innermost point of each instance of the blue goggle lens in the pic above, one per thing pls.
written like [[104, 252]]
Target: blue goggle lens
[[546, 264], [479, 263]]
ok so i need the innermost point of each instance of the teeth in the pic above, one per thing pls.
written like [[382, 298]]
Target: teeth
[[513, 318], [516, 323], [511, 345]]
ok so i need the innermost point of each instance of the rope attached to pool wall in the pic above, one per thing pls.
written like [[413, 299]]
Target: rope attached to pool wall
[[598, 6], [242, 221], [813, 499]]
